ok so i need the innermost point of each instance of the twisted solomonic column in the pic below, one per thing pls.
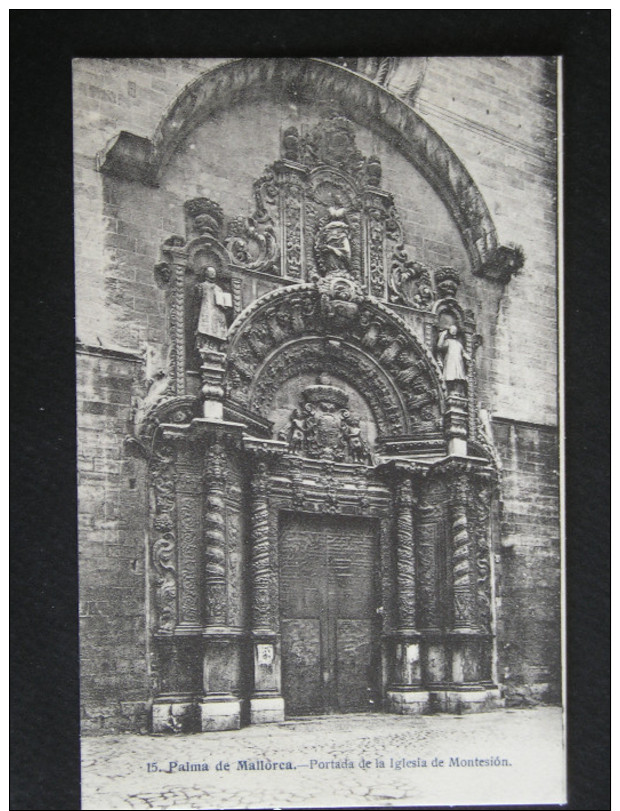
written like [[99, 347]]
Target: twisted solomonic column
[[215, 537], [463, 603], [405, 557]]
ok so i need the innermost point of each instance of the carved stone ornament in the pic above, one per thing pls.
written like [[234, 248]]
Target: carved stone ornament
[[323, 427], [480, 523], [402, 378], [321, 216], [447, 282], [205, 217], [386, 84], [163, 543]]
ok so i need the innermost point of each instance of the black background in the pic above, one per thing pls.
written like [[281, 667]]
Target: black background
[[44, 697]]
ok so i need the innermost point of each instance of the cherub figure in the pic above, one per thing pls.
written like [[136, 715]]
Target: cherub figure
[[297, 431], [352, 431]]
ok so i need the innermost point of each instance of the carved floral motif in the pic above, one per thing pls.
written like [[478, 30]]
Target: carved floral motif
[[163, 548]]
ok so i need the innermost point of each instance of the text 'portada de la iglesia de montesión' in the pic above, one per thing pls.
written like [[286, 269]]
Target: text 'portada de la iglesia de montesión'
[[317, 387]]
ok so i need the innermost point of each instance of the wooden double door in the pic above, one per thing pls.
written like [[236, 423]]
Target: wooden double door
[[328, 588]]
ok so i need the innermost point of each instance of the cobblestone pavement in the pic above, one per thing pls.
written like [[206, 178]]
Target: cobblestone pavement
[[519, 751]]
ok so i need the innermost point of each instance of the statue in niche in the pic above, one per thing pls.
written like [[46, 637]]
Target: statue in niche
[[215, 303], [454, 360], [333, 243]]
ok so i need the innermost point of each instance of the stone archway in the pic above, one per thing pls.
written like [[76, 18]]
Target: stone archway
[[331, 326], [361, 99], [246, 445]]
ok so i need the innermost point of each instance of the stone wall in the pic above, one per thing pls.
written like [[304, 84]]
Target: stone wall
[[529, 608], [111, 527], [498, 116]]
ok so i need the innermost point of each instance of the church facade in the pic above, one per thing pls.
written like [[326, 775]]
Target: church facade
[[316, 388]]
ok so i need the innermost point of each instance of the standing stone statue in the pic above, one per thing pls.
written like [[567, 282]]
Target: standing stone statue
[[333, 243], [454, 360], [297, 432], [212, 326]]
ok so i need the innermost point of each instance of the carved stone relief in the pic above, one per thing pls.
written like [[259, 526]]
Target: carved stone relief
[[163, 546], [335, 308], [323, 427]]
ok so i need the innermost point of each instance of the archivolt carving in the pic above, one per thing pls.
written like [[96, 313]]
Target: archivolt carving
[[342, 361], [366, 343]]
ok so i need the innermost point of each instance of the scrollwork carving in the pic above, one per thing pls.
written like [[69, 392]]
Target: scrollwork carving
[[163, 549], [164, 564], [480, 521], [260, 554], [251, 244], [410, 282]]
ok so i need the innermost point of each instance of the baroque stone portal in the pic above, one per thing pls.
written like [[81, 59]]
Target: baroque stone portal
[[323, 493]]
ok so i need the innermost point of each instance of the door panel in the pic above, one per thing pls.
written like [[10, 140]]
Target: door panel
[[301, 665], [327, 602], [354, 664]]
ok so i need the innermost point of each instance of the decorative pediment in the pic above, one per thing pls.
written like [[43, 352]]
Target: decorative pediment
[[319, 211]]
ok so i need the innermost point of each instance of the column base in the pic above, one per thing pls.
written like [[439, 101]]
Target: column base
[[266, 710], [408, 702], [461, 700], [174, 714], [217, 715]]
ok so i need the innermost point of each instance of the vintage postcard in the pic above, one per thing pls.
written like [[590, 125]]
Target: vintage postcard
[[319, 422]]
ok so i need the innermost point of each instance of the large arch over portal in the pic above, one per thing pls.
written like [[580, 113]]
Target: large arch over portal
[[362, 100], [300, 329]]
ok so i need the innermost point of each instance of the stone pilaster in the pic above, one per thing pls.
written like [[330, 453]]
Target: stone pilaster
[[262, 618], [212, 373], [266, 702], [405, 557], [464, 635], [170, 275], [292, 178], [456, 424], [205, 637]]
